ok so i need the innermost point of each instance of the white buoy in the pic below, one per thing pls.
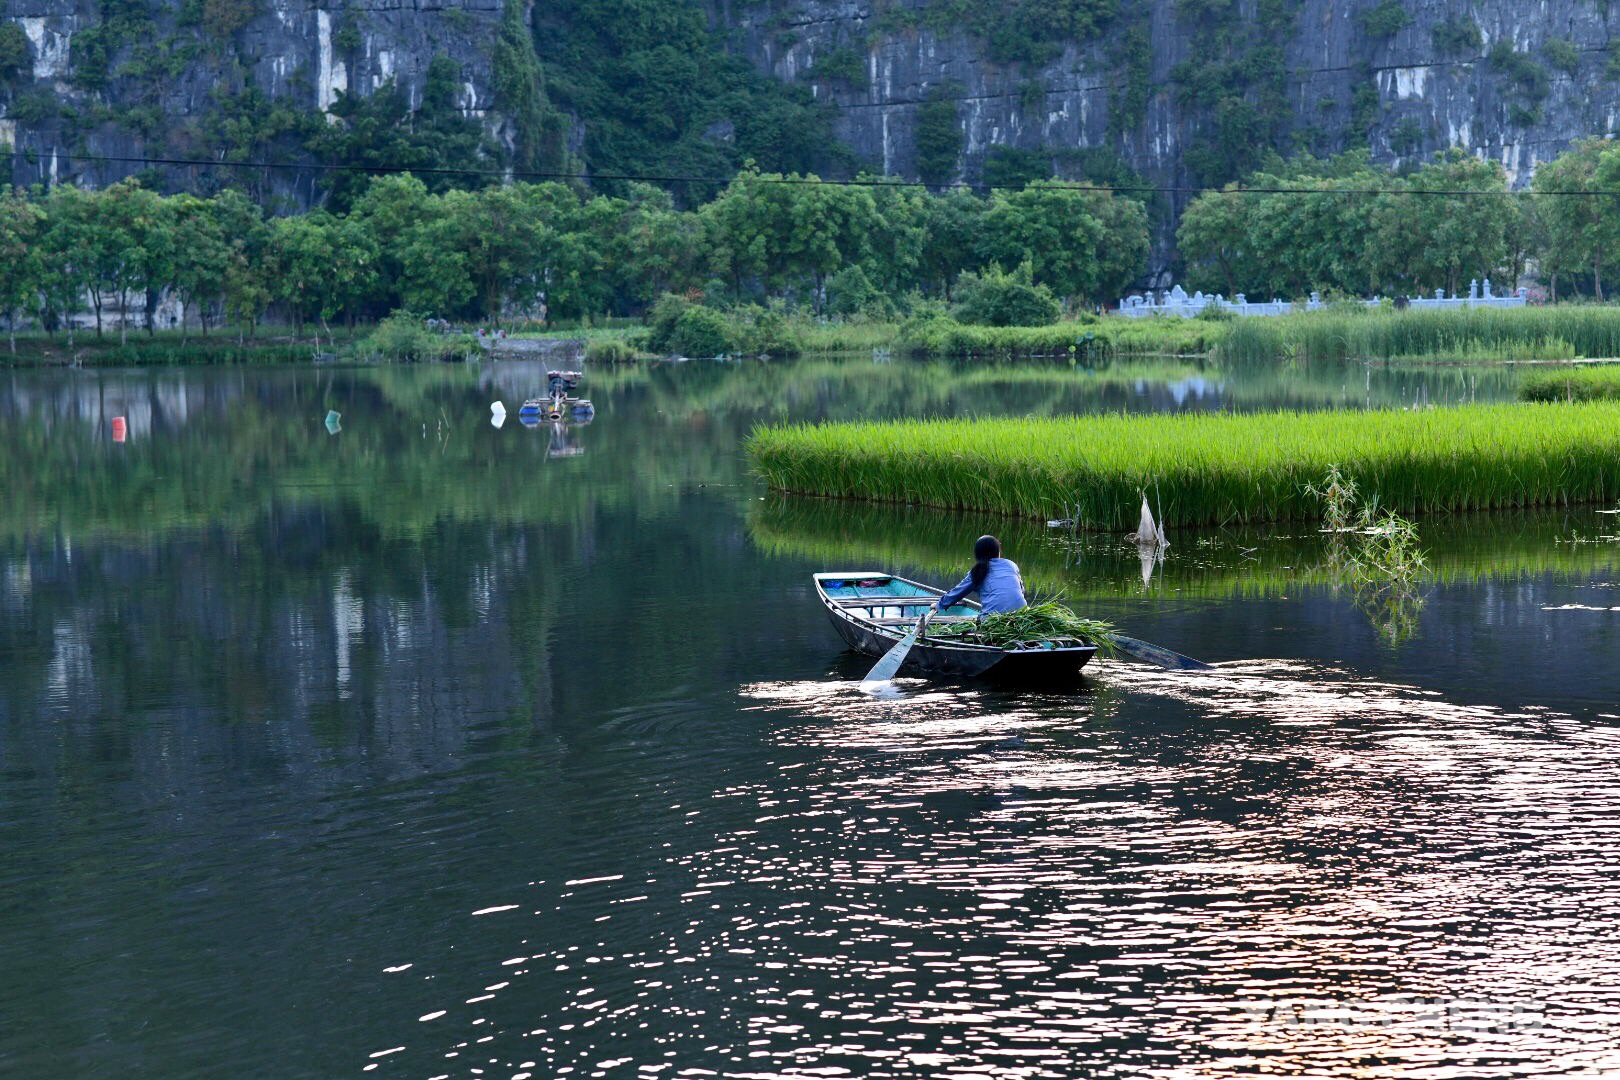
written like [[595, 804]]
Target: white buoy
[[498, 409]]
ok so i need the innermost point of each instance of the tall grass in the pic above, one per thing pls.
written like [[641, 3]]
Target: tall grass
[[1207, 468], [1571, 384], [1472, 334], [1084, 340]]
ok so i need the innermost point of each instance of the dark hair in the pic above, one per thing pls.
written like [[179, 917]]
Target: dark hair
[[984, 549]]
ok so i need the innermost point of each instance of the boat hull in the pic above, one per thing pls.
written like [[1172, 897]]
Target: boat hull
[[937, 659]]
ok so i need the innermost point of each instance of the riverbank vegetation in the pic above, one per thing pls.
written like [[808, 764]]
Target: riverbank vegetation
[[1210, 468], [1484, 335], [536, 252], [782, 263], [1572, 384]]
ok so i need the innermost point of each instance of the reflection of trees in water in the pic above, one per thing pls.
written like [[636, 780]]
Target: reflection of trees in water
[[314, 631]]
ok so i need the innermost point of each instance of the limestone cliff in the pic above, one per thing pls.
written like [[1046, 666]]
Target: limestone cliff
[[1409, 93], [1512, 82]]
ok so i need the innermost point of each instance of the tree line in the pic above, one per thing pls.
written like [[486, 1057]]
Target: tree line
[[1310, 225], [547, 249]]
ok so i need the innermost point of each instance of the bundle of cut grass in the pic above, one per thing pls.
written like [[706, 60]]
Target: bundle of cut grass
[[1044, 621], [1572, 384], [1208, 469]]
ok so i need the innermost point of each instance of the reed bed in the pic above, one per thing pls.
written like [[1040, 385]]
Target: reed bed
[[1210, 469], [1572, 384], [1083, 340], [1471, 334]]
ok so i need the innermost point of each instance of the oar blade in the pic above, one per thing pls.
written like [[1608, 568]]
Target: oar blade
[[883, 671], [1150, 653]]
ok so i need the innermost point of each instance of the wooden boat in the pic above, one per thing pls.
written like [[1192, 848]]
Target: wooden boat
[[872, 611]]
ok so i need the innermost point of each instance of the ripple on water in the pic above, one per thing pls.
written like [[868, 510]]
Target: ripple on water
[[1270, 867]]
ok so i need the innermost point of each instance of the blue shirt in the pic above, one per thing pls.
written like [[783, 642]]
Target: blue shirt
[[1003, 589]]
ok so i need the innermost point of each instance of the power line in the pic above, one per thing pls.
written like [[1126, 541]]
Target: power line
[[867, 182]]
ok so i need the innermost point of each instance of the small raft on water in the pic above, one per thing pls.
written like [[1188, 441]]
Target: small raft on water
[[872, 611]]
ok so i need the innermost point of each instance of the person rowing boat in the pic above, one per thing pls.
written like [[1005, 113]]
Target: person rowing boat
[[998, 581]]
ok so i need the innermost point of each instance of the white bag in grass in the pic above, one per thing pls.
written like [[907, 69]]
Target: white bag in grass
[[1149, 533]]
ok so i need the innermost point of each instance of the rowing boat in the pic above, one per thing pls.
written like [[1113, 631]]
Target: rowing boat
[[872, 611]]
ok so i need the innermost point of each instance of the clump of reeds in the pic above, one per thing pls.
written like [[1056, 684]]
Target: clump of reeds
[[1375, 553], [1572, 384], [1469, 334], [1208, 469]]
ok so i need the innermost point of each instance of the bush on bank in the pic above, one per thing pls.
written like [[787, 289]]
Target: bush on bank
[[1207, 469]]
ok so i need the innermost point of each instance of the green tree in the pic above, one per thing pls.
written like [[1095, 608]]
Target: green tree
[[1081, 243], [246, 284], [65, 252], [201, 254], [952, 228], [21, 269], [1579, 229], [1213, 238], [300, 253], [1422, 240]]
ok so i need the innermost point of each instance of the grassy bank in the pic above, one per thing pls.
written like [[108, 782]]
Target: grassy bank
[[1471, 334], [1572, 384], [164, 349], [1207, 469]]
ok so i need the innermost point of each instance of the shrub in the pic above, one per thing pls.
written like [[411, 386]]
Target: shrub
[[661, 320], [1456, 35], [702, 332], [404, 336], [850, 293], [609, 351], [1563, 55], [1386, 20], [14, 59], [998, 298]]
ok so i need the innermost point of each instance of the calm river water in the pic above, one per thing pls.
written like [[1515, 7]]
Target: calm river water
[[426, 749]]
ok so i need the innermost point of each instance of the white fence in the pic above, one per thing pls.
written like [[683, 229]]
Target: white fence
[[1176, 302]]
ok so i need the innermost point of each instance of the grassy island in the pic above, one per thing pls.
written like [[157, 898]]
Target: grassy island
[[1209, 469]]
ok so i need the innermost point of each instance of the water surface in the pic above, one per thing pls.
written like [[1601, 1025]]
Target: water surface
[[429, 749]]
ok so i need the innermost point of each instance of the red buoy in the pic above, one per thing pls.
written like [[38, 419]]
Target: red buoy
[[120, 429]]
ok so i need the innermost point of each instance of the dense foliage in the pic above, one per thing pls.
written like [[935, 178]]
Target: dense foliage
[[540, 250], [1323, 231]]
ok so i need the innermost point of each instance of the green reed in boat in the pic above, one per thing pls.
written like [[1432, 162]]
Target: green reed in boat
[[1046, 620]]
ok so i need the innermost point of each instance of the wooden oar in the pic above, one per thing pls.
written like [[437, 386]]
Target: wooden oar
[[884, 669], [1154, 654]]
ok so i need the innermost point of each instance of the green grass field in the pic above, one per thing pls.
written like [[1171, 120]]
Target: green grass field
[[1212, 469]]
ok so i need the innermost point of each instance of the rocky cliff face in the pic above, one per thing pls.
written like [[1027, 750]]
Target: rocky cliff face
[[167, 75], [1512, 82], [1517, 110]]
